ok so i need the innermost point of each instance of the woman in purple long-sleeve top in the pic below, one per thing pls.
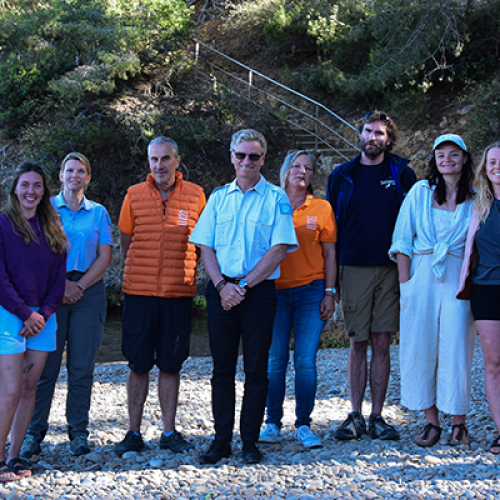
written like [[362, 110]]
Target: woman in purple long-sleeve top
[[32, 280]]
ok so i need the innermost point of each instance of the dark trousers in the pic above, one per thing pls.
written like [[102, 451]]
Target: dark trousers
[[252, 320], [79, 325]]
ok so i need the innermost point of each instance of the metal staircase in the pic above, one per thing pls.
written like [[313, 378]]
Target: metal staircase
[[313, 125]]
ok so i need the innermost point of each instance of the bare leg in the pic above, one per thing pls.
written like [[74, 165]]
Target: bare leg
[[489, 333], [34, 361], [11, 377], [380, 368], [457, 420], [137, 390], [168, 394], [357, 369], [431, 417]]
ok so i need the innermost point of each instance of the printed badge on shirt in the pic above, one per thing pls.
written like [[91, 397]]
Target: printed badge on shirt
[[285, 209], [183, 219], [389, 183], [312, 222]]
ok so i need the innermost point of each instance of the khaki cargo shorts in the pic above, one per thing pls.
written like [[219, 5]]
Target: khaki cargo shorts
[[369, 299]]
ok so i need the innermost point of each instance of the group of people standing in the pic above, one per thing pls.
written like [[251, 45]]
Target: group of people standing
[[272, 255]]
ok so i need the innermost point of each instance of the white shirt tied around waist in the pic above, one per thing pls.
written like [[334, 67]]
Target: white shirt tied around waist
[[242, 227]]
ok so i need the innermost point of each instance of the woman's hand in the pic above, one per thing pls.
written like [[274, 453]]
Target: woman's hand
[[33, 325], [72, 292], [404, 265], [327, 307]]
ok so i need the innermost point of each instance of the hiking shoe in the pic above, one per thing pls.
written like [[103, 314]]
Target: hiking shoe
[[270, 434], [131, 442], [79, 446], [352, 428], [307, 437], [175, 442], [30, 447], [378, 428]]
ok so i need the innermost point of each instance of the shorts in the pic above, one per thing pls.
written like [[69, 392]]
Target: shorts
[[156, 331], [13, 343], [369, 300], [485, 302]]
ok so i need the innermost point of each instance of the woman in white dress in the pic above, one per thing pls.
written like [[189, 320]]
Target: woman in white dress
[[436, 334]]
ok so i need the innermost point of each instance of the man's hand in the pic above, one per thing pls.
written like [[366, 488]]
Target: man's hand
[[231, 295], [33, 325]]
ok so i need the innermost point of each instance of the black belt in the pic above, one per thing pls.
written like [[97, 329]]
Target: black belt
[[74, 275]]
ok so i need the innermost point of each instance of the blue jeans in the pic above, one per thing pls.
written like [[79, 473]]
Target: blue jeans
[[299, 308]]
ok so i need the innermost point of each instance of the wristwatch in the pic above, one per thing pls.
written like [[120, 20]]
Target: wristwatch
[[243, 284], [332, 290]]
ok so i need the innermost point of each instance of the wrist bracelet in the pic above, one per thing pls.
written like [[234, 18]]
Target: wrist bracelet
[[220, 285], [331, 290]]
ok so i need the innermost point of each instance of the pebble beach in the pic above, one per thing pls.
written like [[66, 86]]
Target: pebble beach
[[364, 469]]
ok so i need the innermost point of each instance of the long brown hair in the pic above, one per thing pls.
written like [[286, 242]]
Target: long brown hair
[[49, 218]]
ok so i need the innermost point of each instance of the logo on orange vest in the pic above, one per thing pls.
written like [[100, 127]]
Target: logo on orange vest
[[312, 222], [183, 218]]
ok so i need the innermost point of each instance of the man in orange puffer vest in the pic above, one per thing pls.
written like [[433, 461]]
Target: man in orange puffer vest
[[156, 220]]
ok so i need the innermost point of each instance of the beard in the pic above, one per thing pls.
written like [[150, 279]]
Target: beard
[[375, 149]]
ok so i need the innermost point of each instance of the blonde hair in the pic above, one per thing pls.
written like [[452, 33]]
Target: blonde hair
[[49, 218], [78, 157], [484, 189]]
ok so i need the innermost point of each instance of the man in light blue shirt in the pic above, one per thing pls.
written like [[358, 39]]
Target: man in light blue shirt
[[244, 233]]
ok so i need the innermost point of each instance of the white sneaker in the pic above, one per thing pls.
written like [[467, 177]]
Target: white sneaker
[[307, 438], [270, 434]]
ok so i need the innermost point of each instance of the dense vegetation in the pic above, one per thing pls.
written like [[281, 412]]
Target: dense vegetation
[[66, 67]]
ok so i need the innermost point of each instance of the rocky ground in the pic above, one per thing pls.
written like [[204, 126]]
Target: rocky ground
[[364, 469]]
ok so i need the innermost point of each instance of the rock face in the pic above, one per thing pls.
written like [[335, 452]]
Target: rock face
[[349, 470]]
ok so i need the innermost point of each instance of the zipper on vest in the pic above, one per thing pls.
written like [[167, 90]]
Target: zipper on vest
[[162, 251]]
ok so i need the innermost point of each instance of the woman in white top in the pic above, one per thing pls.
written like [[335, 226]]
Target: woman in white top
[[436, 335]]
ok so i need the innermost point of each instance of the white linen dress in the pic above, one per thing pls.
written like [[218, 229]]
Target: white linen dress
[[436, 330]]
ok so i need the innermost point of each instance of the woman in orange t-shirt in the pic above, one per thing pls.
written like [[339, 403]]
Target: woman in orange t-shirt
[[306, 299]]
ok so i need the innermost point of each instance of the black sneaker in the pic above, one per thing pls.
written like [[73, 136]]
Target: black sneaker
[[352, 428], [378, 428], [251, 454], [30, 447], [218, 450], [175, 442], [131, 442], [79, 446]]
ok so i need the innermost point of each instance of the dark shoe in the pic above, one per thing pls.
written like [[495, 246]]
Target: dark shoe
[[251, 454], [378, 428], [218, 450], [462, 436], [6, 474], [79, 446], [352, 428], [20, 467], [175, 442], [131, 442], [30, 447], [425, 440]]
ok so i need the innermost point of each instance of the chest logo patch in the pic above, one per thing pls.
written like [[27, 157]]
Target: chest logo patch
[[183, 218], [388, 183], [312, 222]]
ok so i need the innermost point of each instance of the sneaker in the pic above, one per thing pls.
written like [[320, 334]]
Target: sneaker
[[270, 434], [131, 442], [378, 428], [175, 442], [352, 428], [79, 446], [30, 447], [307, 438]]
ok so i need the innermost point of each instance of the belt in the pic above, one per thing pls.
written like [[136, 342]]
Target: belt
[[74, 275]]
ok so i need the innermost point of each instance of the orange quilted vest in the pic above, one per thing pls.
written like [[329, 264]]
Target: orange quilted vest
[[160, 261]]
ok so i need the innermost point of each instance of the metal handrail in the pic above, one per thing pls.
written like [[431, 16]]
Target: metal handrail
[[251, 85]]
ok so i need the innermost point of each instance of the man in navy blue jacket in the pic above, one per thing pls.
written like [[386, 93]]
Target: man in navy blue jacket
[[366, 194]]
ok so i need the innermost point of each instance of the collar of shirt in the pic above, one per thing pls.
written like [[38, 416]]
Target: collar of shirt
[[259, 188], [60, 202]]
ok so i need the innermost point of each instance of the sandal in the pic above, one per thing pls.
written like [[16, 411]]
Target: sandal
[[424, 439], [462, 437], [6, 474], [495, 444], [20, 467]]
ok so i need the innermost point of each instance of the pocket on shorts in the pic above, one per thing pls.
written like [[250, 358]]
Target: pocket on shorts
[[348, 307]]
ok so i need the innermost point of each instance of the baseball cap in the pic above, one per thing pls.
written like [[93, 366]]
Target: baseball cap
[[455, 139]]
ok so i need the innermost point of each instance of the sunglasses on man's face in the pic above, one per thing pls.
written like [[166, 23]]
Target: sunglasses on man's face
[[252, 156], [381, 116]]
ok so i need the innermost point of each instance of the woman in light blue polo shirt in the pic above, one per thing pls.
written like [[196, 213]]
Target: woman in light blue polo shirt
[[81, 317]]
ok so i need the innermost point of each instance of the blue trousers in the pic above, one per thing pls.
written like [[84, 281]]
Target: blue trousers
[[298, 308]]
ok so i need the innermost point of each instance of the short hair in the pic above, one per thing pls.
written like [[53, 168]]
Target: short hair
[[247, 135], [484, 189], [287, 165], [165, 140], [78, 157], [380, 116]]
